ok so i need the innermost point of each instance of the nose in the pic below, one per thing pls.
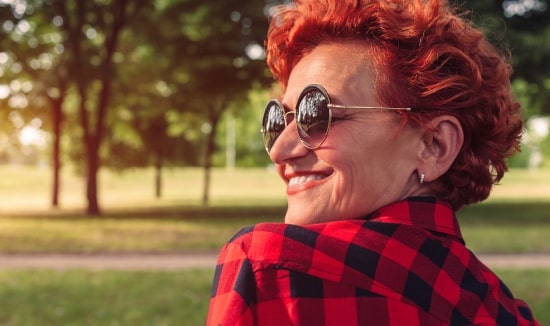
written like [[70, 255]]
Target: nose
[[288, 145]]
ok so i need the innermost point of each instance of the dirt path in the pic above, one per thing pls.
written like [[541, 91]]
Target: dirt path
[[200, 260], [109, 261]]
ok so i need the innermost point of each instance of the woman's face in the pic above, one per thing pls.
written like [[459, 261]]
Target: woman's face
[[367, 161]]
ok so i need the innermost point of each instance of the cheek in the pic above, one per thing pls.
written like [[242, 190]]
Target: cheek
[[350, 153], [363, 149], [354, 169], [373, 161]]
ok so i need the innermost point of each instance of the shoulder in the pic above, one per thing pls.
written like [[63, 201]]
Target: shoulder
[[280, 245], [260, 242], [245, 234], [271, 234]]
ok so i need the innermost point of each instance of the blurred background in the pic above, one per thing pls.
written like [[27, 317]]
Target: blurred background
[[87, 86], [132, 126]]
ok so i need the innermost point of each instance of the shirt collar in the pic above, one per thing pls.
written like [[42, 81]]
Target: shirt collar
[[425, 212]]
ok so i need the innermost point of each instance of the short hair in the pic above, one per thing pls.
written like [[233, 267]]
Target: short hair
[[429, 57]]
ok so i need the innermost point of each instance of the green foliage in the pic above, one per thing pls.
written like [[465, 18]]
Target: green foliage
[[545, 149], [249, 147], [122, 68], [520, 160], [143, 79], [524, 29], [527, 94]]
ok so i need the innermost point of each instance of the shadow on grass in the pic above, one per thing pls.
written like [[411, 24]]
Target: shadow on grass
[[491, 212], [265, 212], [511, 213]]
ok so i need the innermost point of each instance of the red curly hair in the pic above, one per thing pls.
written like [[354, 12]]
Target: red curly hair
[[432, 59]]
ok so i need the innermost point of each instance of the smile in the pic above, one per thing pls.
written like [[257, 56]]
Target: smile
[[299, 180]]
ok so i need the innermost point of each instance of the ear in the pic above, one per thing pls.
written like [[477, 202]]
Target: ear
[[442, 141]]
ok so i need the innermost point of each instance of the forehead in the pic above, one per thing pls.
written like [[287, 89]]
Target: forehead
[[341, 68]]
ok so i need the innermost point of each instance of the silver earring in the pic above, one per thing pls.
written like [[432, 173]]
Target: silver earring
[[422, 176]]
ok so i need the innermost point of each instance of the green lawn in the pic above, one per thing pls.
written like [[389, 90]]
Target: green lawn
[[26, 190], [515, 219], [204, 229], [80, 235], [533, 287], [52, 298], [45, 298]]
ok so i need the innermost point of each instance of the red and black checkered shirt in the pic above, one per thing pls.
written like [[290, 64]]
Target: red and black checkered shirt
[[406, 264]]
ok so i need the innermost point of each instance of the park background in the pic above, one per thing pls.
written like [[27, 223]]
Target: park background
[[132, 126]]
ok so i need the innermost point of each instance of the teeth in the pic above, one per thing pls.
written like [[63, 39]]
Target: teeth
[[304, 178]]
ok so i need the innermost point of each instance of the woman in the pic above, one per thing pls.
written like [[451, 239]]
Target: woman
[[394, 115]]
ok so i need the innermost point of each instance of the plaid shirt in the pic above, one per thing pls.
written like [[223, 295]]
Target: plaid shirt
[[406, 264]]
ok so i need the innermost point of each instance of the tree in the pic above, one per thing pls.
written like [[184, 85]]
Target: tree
[[220, 59], [193, 65], [34, 56], [149, 129], [523, 26], [92, 30]]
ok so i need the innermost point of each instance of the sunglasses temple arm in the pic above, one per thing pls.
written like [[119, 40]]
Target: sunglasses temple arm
[[337, 106]]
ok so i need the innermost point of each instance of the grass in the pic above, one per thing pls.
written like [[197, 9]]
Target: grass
[[42, 297], [507, 226], [531, 286], [26, 190], [514, 219], [77, 297], [510, 221], [150, 235], [177, 231]]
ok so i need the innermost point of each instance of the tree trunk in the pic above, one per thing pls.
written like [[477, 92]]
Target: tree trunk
[[214, 118], [107, 73], [209, 151], [158, 177], [56, 150], [92, 169]]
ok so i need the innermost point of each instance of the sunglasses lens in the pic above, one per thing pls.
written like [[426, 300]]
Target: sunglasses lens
[[273, 123], [313, 117]]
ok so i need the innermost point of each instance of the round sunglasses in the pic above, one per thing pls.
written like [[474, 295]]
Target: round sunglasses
[[313, 117]]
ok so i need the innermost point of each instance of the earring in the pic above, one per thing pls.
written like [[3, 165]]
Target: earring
[[421, 178]]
